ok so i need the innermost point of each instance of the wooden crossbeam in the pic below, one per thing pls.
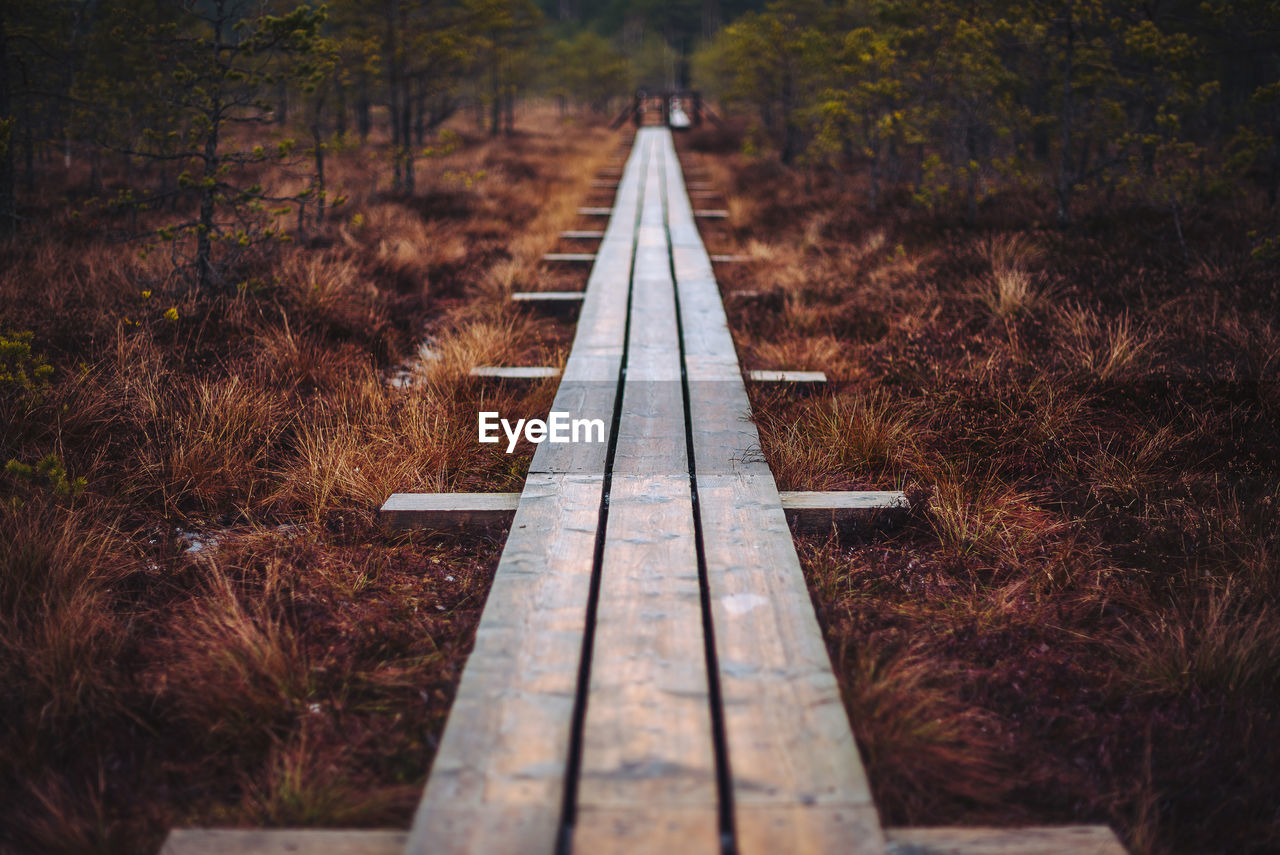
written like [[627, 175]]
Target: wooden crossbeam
[[766, 376], [595, 212], [1038, 840], [581, 234], [547, 296], [712, 214], [1041, 840], [435, 511], [570, 256], [729, 259], [807, 511], [515, 372], [282, 841], [823, 512]]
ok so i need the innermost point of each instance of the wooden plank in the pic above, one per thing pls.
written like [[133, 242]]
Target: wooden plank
[[712, 213], [435, 511], [581, 234], [845, 510], [547, 296], [1041, 840], [607, 185], [569, 256], [498, 775], [798, 783], [648, 765], [765, 376], [515, 372], [799, 501], [285, 841], [498, 779], [730, 259], [595, 211]]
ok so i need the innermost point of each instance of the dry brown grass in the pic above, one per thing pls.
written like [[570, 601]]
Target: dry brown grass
[[1079, 621], [208, 628]]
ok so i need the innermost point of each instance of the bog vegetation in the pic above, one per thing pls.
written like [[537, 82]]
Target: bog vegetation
[[250, 250]]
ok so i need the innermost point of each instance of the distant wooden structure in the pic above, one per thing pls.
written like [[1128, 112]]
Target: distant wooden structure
[[677, 109]]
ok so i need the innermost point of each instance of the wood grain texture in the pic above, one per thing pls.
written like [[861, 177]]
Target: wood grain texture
[[798, 783], [844, 510], [547, 296], [648, 765], [569, 256], [515, 372], [1040, 840], [497, 782], [769, 376]]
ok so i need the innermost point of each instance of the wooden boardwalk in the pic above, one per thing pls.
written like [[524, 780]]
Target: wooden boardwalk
[[648, 674]]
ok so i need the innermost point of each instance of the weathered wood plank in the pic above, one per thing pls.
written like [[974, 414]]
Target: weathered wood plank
[[569, 256], [712, 214], [730, 259], [582, 234], [515, 372], [1040, 840], [767, 376], [434, 511], [498, 779], [595, 211], [798, 783], [285, 841], [823, 512], [648, 764], [547, 297]]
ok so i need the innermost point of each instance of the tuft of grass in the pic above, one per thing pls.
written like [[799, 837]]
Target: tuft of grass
[[988, 519], [307, 785], [1109, 349], [1222, 645], [922, 743], [1010, 287], [851, 436], [234, 667]]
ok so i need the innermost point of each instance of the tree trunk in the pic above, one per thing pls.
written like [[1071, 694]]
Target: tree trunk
[[363, 122], [396, 96], [8, 122], [205, 274], [282, 101], [1065, 178], [407, 150], [788, 124], [317, 140], [495, 96]]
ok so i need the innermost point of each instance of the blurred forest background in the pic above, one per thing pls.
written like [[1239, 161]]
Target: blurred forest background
[[945, 104]]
